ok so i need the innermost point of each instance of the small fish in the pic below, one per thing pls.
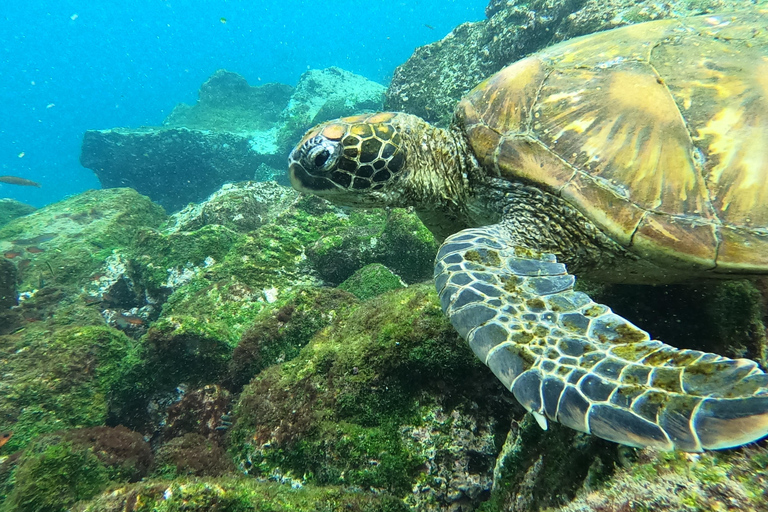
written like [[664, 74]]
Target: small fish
[[430, 27], [4, 437], [124, 321], [23, 264], [35, 250], [15, 180], [39, 239], [11, 254]]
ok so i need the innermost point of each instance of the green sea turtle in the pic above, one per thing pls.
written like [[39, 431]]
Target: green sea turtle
[[638, 155]]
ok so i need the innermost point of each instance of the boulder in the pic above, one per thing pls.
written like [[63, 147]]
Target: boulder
[[235, 132], [436, 76], [11, 209]]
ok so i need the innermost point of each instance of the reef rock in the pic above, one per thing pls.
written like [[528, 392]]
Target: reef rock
[[235, 132], [11, 209], [241, 207], [8, 296], [431, 82]]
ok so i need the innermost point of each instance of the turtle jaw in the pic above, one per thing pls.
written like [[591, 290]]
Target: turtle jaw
[[326, 188]]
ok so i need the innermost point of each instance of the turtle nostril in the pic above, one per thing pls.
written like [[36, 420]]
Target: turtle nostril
[[321, 158]]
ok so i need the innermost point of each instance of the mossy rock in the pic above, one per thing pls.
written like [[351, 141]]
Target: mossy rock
[[11, 209], [371, 280], [57, 470], [283, 329], [680, 482], [191, 455], [59, 377], [236, 495], [335, 414], [64, 243], [396, 239]]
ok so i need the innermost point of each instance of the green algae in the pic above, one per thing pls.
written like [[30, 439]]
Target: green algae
[[55, 479], [79, 234], [370, 281], [59, 378], [236, 495], [333, 415], [11, 209]]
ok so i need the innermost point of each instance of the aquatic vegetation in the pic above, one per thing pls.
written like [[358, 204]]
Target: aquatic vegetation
[[57, 470], [191, 455], [344, 410], [59, 377], [370, 281], [77, 235], [236, 495], [11, 209]]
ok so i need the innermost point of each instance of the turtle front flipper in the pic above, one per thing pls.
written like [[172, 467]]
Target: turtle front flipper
[[576, 362]]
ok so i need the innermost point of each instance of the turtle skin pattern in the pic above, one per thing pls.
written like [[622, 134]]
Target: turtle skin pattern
[[571, 360]]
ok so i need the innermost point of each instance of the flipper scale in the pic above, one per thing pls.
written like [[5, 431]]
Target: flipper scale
[[574, 361]]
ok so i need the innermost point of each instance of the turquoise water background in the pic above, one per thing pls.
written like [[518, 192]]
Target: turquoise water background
[[70, 66]]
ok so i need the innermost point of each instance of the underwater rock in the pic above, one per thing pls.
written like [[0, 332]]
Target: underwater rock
[[240, 207], [8, 297], [199, 412], [59, 377], [324, 94], [371, 280], [436, 76], [60, 469], [226, 102], [682, 482], [396, 239], [65, 243], [11, 209], [278, 334], [235, 495], [174, 166], [191, 455], [386, 398], [229, 135]]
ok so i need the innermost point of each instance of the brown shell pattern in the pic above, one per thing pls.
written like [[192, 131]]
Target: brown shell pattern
[[658, 132]]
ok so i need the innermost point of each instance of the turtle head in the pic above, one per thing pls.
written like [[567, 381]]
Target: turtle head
[[354, 161]]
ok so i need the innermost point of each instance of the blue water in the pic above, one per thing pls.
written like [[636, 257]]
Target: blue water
[[70, 66]]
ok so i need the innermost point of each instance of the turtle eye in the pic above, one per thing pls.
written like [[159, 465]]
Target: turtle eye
[[322, 155]]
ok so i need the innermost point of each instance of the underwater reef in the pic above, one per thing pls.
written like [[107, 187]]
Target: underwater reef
[[262, 350], [301, 358], [235, 132]]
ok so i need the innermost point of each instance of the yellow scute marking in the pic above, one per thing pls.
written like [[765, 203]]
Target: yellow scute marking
[[642, 93], [334, 131]]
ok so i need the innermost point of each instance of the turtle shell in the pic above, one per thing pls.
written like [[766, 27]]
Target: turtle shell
[[657, 132]]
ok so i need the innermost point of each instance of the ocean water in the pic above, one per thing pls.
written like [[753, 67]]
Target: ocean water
[[69, 66]]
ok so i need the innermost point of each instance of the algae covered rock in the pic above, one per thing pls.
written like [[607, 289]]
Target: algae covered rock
[[66, 242], [8, 296], [236, 495], [370, 281], [59, 377], [226, 102], [323, 94], [11, 209], [57, 470], [372, 401], [680, 482], [436, 76], [241, 207], [396, 239]]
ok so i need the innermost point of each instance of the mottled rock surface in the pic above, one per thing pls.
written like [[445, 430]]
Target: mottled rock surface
[[432, 81]]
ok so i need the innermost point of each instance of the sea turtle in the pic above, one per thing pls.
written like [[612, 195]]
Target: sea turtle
[[638, 154]]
